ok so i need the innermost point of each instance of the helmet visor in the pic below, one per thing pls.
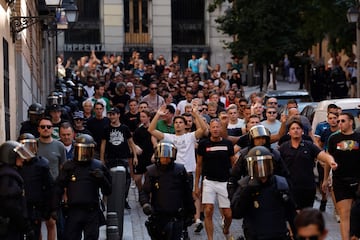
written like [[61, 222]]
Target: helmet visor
[[84, 152], [23, 152], [260, 166], [30, 144], [259, 131], [166, 150]]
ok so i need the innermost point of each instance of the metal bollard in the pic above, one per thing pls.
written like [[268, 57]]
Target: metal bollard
[[116, 199], [112, 219], [112, 233]]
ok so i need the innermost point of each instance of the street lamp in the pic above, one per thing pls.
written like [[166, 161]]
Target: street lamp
[[56, 14], [353, 17]]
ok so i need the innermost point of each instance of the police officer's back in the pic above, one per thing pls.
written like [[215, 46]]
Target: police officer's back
[[13, 214], [263, 199], [166, 195], [82, 179], [38, 183]]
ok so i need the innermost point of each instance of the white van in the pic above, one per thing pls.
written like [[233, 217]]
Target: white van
[[347, 105]]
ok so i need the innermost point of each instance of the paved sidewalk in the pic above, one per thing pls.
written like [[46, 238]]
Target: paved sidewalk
[[134, 220]]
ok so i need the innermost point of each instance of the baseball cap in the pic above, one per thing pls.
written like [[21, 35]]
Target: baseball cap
[[114, 110]]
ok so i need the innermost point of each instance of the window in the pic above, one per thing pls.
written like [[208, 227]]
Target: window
[[187, 19], [136, 16]]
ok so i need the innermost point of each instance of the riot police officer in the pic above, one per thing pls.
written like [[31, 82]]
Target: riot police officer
[[166, 195], [263, 200], [13, 214], [38, 184], [35, 113], [82, 177], [258, 136]]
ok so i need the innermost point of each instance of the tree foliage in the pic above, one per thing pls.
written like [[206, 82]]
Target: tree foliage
[[266, 30]]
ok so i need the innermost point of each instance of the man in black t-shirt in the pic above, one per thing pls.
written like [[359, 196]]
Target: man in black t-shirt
[[299, 156], [344, 147], [115, 147], [214, 161]]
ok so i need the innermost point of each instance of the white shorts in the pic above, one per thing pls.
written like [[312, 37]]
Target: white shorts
[[213, 189]]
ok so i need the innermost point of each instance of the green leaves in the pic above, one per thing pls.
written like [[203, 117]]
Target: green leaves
[[266, 30]]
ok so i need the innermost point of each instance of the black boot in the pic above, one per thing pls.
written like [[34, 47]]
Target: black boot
[[322, 205]]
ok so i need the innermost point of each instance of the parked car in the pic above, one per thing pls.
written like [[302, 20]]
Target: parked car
[[283, 96], [351, 105]]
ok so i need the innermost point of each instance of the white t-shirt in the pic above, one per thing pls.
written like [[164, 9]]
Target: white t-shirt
[[181, 106], [185, 145]]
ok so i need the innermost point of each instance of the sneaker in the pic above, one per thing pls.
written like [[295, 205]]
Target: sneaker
[[133, 185], [322, 207], [127, 206], [198, 227]]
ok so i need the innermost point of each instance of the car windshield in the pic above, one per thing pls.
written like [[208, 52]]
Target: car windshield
[[282, 101]]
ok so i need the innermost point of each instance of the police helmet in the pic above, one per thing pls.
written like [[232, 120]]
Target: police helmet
[[259, 162], [35, 112], [36, 109], [79, 90], [29, 141], [165, 149], [52, 99], [10, 150], [259, 131], [84, 148]]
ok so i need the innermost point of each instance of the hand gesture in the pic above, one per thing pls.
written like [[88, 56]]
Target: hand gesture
[[162, 110]]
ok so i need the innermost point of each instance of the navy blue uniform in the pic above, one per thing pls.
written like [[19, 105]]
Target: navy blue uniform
[[265, 208], [38, 183], [168, 191], [82, 190]]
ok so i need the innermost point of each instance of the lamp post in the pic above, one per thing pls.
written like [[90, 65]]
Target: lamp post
[[353, 17], [19, 23]]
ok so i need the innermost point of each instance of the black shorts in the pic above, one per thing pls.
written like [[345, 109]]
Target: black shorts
[[345, 188], [141, 167]]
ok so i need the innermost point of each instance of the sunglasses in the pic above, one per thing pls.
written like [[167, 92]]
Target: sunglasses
[[270, 112], [342, 120], [153, 88], [273, 103], [315, 237], [78, 119], [45, 126]]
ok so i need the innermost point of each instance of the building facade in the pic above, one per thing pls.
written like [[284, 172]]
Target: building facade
[[164, 27], [27, 65]]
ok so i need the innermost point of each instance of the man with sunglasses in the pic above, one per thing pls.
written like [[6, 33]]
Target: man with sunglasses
[[153, 99], [271, 102], [271, 122], [55, 152], [344, 147]]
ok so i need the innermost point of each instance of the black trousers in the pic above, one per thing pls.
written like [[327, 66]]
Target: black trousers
[[79, 220]]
